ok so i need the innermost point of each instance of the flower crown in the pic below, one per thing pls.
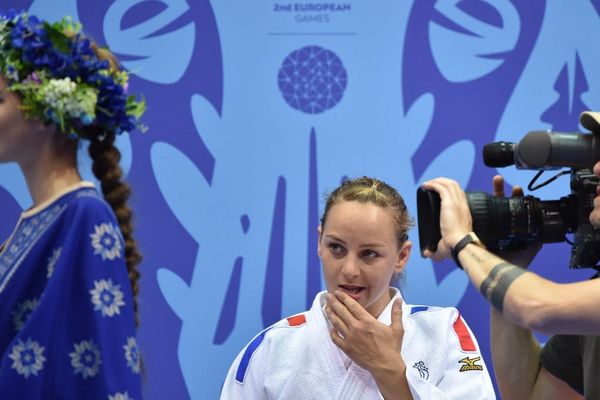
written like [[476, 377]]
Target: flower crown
[[61, 80]]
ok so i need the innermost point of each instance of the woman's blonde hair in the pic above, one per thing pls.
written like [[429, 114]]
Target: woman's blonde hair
[[373, 191]]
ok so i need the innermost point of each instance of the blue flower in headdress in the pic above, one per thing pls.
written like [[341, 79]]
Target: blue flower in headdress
[[51, 115], [8, 15], [86, 119], [60, 77]]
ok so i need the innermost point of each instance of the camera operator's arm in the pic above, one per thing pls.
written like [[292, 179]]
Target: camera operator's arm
[[521, 377], [523, 297], [516, 359]]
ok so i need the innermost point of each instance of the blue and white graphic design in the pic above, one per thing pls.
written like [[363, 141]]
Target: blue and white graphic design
[[23, 311], [562, 72], [85, 360], [107, 297], [105, 241], [312, 79], [28, 357], [475, 50], [120, 396], [132, 355], [52, 260], [256, 259], [257, 109]]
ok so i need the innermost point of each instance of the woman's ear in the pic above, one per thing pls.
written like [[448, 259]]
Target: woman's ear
[[403, 256], [320, 233]]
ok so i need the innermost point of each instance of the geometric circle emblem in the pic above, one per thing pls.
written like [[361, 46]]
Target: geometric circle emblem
[[312, 79]]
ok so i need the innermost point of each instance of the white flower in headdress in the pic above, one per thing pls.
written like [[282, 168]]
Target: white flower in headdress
[[85, 359], [23, 311], [106, 241], [107, 297], [132, 355], [65, 97], [28, 358], [52, 261], [120, 396]]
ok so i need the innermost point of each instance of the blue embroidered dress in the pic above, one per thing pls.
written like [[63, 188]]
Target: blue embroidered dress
[[66, 309]]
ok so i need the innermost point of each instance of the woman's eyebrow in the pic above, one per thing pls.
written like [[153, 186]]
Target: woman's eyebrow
[[330, 236], [373, 244]]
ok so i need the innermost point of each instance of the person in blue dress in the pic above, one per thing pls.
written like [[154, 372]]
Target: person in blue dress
[[68, 277]]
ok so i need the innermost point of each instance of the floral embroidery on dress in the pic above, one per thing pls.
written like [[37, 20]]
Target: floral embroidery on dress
[[52, 261], [86, 358], [28, 358], [23, 311], [120, 396], [132, 355], [106, 241], [26, 235], [107, 297]]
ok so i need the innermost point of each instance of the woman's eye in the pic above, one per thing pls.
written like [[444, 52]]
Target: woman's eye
[[336, 248], [370, 254]]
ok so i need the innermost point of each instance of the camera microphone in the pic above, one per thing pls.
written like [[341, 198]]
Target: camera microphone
[[541, 150]]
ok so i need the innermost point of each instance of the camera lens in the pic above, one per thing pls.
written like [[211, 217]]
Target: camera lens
[[501, 223], [492, 217], [513, 223]]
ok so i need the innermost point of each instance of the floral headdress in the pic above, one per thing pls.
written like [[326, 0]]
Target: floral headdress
[[60, 79]]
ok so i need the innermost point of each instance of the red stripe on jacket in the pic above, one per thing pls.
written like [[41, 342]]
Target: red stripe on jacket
[[464, 337], [297, 320]]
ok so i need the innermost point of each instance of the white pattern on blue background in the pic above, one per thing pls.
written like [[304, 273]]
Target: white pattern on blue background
[[28, 357], [153, 50], [259, 138], [554, 50], [107, 297], [86, 360], [23, 311], [23, 239], [132, 355], [464, 57]]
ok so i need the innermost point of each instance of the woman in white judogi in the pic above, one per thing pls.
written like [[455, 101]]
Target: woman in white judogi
[[359, 340]]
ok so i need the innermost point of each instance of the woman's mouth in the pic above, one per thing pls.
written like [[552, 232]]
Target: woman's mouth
[[352, 290]]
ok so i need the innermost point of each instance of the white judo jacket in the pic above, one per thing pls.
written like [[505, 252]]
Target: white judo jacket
[[296, 359]]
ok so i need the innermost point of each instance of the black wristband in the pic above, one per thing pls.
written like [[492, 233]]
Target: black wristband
[[462, 243]]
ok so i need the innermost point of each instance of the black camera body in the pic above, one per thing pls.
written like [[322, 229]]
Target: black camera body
[[515, 223]]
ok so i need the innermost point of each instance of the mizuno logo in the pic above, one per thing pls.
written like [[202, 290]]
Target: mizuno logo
[[469, 364]]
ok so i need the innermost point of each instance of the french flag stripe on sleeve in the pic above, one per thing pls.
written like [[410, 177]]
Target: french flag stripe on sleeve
[[297, 320], [464, 337], [417, 309], [243, 367]]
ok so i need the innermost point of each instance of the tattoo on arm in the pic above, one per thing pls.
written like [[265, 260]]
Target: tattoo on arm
[[476, 257], [495, 285]]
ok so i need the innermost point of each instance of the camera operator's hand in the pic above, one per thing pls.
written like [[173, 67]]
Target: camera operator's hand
[[521, 258], [455, 217], [595, 214]]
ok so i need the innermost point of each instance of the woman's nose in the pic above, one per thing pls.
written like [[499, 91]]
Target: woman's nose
[[350, 268]]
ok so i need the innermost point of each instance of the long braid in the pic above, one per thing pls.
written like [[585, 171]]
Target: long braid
[[106, 168]]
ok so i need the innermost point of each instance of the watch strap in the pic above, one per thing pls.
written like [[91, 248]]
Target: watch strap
[[462, 243]]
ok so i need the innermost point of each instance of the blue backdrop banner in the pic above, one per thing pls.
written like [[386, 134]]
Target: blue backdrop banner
[[257, 108]]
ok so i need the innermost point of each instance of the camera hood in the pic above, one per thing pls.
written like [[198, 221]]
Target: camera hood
[[590, 120], [428, 214]]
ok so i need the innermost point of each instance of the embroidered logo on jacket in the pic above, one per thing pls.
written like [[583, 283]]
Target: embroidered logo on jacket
[[469, 364], [422, 368]]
